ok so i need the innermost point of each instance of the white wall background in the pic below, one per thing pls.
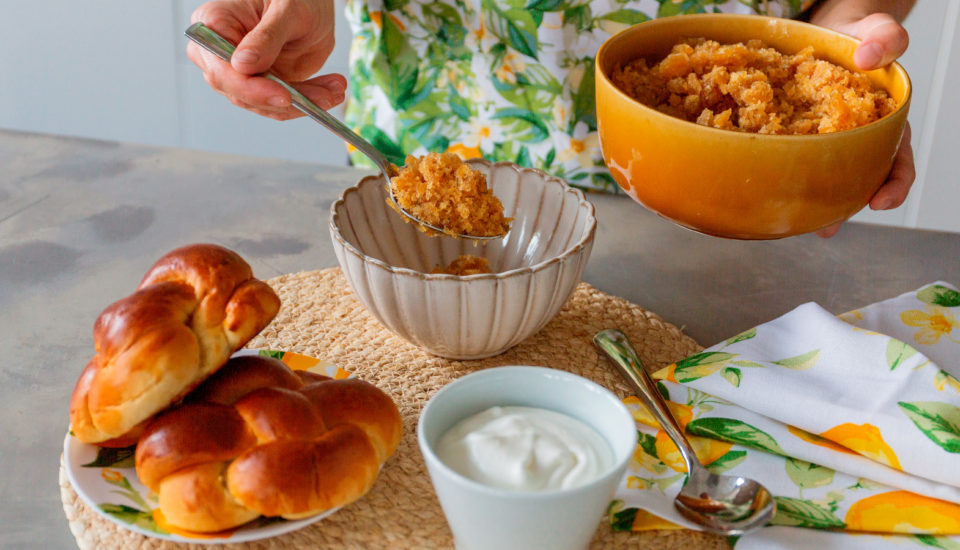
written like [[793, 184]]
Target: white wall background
[[116, 70]]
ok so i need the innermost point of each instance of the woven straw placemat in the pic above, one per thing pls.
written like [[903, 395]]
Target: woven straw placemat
[[321, 317]]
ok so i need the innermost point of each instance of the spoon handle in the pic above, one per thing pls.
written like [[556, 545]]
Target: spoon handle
[[222, 48], [618, 348]]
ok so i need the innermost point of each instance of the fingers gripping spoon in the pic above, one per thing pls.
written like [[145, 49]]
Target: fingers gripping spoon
[[722, 504], [208, 39]]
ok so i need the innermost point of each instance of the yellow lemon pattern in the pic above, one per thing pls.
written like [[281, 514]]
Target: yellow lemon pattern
[[645, 521], [666, 373], [866, 440], [708, 450], [683, 413], [817, 440], [904, 512], [735, 402]]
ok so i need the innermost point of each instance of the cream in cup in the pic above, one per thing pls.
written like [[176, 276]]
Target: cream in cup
[[525, 457]]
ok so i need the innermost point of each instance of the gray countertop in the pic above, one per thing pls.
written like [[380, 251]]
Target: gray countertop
[[82, 220]]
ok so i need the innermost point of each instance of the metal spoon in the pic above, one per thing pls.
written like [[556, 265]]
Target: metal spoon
[[222, 48], [722, 504]]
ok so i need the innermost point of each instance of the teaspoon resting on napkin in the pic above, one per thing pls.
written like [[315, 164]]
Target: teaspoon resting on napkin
[[723, 504], [222, 48]]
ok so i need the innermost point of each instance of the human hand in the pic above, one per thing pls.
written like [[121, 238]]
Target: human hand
[[291, 38], [883, 40]]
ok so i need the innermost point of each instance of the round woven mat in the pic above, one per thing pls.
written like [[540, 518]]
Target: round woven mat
[[321, 317]]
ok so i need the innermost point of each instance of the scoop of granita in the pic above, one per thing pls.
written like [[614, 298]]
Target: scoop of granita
[[441, 190], [754, 88], [465, 264]]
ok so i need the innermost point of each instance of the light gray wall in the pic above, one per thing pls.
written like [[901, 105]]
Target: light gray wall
[[116, 70]]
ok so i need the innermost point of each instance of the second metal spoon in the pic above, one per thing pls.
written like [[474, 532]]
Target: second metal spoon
[[209, 40], [723, 504]]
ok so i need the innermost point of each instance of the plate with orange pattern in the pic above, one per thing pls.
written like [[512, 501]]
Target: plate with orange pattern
[[106, 480]]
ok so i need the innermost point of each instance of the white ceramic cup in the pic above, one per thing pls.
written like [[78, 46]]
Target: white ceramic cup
[[488, 518]]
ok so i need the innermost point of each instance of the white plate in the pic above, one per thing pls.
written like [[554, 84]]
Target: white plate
[[112, 489]]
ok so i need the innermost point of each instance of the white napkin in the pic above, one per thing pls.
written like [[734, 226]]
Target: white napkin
[[880, 382]]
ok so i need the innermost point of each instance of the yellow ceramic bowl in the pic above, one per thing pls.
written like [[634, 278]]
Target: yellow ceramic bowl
[[737, 184]]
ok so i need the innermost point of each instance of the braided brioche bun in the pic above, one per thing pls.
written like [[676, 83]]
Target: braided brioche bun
[[193, 309], [257, 438]]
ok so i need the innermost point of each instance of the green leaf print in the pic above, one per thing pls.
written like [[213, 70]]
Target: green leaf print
[[735, 431], [700, 365], [443, 21], [536, 76], [626, 16], [383, 143], [673, 7], [515, 26], [580, 18], [436, 143], [584, 109], [800, 362], [662, 388], [548, 159], [804, 513], [121, 457], [748, 364], [898, 352], [743, 336], [536, 98], [945, 543], [395, 64], [726, 462], [537, 17], [276, 354], [732, 375], [438, 16], [648, 443], [545, 5], [602, 180], [807, 475], [503, 151], [939, 295], [940, 422], [621, 519], [391, 5], [458, 104], [523, 125], [523, 157], [132, 516]]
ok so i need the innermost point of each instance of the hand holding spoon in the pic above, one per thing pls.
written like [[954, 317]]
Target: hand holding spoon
[[222, 48], [722, 504]]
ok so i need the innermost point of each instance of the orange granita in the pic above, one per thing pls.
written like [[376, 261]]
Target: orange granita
[[754, 88], [465, 264], [443, 191]]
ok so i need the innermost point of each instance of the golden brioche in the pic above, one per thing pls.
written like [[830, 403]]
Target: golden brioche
[[257, 438], [192, 310]]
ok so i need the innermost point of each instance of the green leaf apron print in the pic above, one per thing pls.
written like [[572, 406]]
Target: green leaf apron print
[[507, 80]]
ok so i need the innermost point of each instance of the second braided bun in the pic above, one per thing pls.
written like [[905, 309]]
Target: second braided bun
[[258, 438]]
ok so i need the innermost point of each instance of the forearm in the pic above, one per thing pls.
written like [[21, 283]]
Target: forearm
[[831, 11]]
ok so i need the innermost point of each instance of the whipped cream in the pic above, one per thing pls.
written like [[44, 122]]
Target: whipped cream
[[525, 449]]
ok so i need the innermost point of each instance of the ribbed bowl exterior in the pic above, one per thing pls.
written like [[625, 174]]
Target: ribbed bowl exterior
[[535, 267]]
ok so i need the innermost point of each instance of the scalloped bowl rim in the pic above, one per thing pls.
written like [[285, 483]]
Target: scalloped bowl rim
[[733, 134], [581, 243]]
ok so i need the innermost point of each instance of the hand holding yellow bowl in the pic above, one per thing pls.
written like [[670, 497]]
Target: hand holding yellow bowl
[[737, 184]]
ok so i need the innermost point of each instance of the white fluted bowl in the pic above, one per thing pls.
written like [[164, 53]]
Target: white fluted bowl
[[535, 267]]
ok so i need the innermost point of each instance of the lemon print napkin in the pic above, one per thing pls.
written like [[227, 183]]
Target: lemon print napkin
[[851, 421]]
